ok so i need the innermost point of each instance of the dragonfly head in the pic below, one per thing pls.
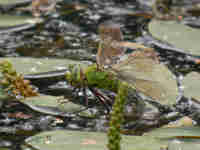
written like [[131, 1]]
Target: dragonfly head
[[73, 76]]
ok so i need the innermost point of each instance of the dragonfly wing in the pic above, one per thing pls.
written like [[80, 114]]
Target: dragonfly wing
[[153, 89], [109, 47], [148, 76]]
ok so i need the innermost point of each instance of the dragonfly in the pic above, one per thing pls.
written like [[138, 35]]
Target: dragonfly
[[140, 68]]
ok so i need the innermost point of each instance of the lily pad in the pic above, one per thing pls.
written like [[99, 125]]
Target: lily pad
[[176, 34], [52, 105], [13, 2], [176, 132], [39, 65], [10, 20], [182, 138], [11, 23], [191, 85], [183, 145], [75, 140]]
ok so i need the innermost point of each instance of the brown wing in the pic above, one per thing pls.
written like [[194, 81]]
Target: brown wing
[[147, 75], [109, 48], [152, 89], [41, 6]]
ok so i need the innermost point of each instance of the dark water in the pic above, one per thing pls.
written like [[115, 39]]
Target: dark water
[[68, 33]]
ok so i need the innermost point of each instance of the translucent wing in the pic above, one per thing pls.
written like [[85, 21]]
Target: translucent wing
[[146, 74], [141, 69], [109, 48]]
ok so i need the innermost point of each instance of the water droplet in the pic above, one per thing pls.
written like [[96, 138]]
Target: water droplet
[[39, 62], [33, 69], [60, 68], [181, 87]]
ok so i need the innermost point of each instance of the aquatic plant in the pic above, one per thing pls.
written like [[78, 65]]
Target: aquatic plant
[[114, 136], [13, 83]]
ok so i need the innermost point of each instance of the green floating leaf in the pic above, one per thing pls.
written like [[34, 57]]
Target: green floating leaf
[[176, 34], [184, 144], [191, 85], [75, 140], [175, 132], [11, 23], [13, 2], [52, 105], [39, 65], [11, 20], [181, 138]]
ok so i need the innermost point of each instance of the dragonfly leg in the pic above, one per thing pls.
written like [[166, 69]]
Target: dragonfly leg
[[85, 95], [102, 98], [80, 91]]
